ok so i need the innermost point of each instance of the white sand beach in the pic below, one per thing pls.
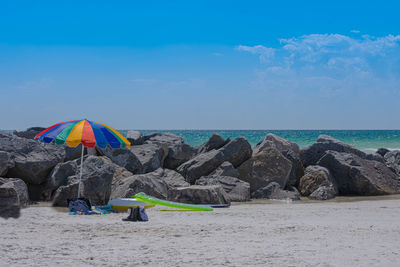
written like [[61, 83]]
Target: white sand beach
[[265, 233]]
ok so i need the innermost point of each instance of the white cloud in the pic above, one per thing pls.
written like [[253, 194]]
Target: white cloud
[[265, 53], [329, 64], [314, 47], [355, 31]]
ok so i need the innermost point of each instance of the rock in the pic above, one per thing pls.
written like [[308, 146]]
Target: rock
[[61, 174], [151, 156], [215, 142], [236, 189], [176, 150], [291, 188], [31, 160], [269, 165], [124, 158], [119, 173], [97, 177], [289, 150], [315, 177], [311, 154], [324, 193], [280, 144], [171, 177], [72, 153], [37, 192], [59, 177], [274, 191], [225, 169], [4, 162], [163, 138], [135, 138], [376, 157], [149, 183], [9, 203], [20, 188], [356, 176], [29, 133], [198, 194], [382, 151], [178, 154], [392, 160], [201, 165], [236, 152]]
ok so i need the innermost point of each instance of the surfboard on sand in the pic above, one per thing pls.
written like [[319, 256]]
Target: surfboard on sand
[[156, 201]]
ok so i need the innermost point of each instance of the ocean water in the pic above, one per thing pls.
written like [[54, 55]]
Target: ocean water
[[366, 140]]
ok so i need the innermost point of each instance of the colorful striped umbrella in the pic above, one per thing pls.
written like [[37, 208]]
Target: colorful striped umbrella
[[87, 133], [83, 132]]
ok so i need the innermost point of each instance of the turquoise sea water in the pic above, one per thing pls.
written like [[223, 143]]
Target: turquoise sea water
[[367, 140]]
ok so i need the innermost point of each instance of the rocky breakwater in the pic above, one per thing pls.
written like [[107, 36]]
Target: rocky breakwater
[[217, 172], [346, 170]]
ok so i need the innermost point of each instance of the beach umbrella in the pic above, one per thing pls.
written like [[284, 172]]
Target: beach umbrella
[[85, 132]]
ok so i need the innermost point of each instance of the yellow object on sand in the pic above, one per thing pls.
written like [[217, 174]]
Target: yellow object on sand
[[124, 204]]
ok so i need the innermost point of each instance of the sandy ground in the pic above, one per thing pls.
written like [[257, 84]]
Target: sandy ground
[[355, 233]]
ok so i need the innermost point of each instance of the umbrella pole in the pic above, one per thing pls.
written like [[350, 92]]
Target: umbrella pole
[[80, 176]]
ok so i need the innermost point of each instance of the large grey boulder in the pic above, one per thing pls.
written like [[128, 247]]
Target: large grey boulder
[[289, 150], [382, 151], [215, 142], [268, 165], [201, 165], [119, 173], [151, 156], [72, 153], [171, 178], [324, 192], [96, 183], [356, 176], [392, 160], [20, 188], [163, 138], [9, 203], [176, 150], [149, 183], [135, 137], [274, 191], [123, 157], [312, 154], [198, 194], [225, 169], [4, 162], [31, 160], [237, 190], [375, 156], [59, 177], [236, 152], [315, 177], [29, 133]]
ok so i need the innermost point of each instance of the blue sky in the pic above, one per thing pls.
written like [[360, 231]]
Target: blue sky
[[201, 64]]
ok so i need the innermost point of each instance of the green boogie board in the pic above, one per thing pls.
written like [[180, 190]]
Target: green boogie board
[[156, 201]]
